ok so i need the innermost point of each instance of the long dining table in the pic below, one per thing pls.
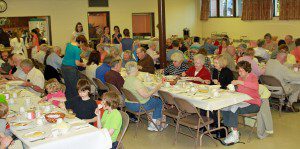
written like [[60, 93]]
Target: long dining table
[[200, 95], [78, 135]]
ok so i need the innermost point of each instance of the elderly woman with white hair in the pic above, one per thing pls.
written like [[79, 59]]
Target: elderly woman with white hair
[[152, 51], [198, 71], [177, 67], [136, 86]]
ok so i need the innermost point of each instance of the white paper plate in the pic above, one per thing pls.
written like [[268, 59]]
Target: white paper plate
[[35, 135], [20, 125]]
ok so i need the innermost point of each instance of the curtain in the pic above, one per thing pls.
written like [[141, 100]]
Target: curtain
[[289, 10], [257, 10], [205, 9]]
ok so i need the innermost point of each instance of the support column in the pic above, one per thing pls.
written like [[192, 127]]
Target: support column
[[162, 33]]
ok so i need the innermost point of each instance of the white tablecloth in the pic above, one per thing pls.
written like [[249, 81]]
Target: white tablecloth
[[87, 137]]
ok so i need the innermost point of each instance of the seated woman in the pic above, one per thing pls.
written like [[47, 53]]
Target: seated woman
[[177, 67], [133, 84], [249, 57], [111, 118], [247, 83], [221, 73], [290, 60], [198, 71]]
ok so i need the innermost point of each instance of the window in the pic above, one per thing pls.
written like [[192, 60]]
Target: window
[[276, 8], [226, 8], [143, 24]]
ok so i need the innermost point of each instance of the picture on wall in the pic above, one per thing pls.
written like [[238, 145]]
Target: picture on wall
[[98, 3]]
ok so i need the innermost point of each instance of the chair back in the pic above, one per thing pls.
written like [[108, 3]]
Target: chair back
[[129, 96], [185, 106], [125, 123], [50, 72], [113, 88], [100, 84], [166, 97], [270, 81]]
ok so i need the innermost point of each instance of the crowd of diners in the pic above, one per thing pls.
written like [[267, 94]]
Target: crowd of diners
[[215, 62]]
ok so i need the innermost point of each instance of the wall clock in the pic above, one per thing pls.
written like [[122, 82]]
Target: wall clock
[[3, 6]]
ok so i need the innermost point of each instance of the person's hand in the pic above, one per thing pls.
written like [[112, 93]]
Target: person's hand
[[5, 141], [183, 74], [206, 81], [198, 79], [27, 84], [237, 82], [216, 81], [97, 111], [139, 67]]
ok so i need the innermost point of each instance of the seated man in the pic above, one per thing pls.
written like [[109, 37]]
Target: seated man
[[209, 46], [127, 57], [276, 68], [34, 77], [260, 51], [145, 63], [229, 55], [113, 76], [175, 45], [104, 68], [5, 66]]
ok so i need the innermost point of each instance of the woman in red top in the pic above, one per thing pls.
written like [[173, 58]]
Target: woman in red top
[[198, 71], [247, 83]]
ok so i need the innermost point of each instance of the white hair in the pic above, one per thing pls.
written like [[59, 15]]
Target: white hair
[[130, 67], [199, 57]]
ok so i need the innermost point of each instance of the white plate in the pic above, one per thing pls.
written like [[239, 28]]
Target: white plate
[[35, 135], [20, 125], [15, 83], [187, 78]]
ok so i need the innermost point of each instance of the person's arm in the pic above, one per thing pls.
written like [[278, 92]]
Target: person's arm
[[60, 99], [91, 120], [250, 82], [34, 87], [147, 94]]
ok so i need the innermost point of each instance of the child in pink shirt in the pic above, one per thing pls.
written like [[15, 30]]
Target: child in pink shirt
[[56, 94]]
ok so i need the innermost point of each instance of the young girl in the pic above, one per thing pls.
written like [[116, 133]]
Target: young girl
[[56, 94], [111, 118], [4, 127]]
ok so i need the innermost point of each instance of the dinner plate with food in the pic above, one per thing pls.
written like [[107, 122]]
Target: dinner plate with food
[[35, 135], [21, 125]]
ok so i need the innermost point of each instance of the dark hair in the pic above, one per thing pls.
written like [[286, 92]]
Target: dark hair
[[78, 23], [203, 51], [48, 52], [226, 41], [196, 39], [117, 27], [297, 42], [281, 41], [175, 43], [81, 39], [108, 59], [245, 65], [94, 57], [83, 85], [111, 99], [126, 32], [105, 28], [268, 35], [260, 42], [34, 31], [283, 47]]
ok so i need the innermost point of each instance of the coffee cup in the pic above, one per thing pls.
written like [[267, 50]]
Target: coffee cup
[[231, 87]]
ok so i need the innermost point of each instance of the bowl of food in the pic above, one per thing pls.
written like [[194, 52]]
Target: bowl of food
[[52, 117]]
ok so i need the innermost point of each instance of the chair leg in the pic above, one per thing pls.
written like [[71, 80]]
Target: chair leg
[[137, 125], [252, 130], [176, 132], [280, 109]]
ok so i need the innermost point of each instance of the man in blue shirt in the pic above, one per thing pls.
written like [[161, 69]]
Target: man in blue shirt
[[210, 48], [104, 68], [175, 49]]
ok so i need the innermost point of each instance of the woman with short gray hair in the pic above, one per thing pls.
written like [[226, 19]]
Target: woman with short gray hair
[[145, 96], [198, 71], [177, 67]]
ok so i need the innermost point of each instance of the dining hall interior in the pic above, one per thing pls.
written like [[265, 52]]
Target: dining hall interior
[[149, 74]]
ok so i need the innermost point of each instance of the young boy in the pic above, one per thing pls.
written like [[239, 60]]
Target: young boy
[[83, 106], [111, 119]]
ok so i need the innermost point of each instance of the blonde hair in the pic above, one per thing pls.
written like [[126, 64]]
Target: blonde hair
[[222, 61], [130, 67], [177, 57], [55, 85], [199, 57], [111, 99]]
